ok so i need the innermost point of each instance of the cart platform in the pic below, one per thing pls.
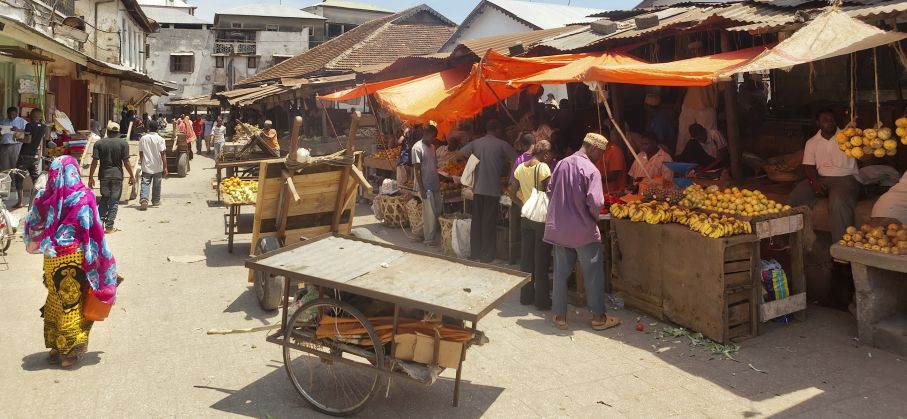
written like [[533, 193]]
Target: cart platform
[[456, 288]]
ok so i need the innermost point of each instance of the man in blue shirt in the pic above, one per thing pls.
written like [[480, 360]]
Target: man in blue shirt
[[9, 147]]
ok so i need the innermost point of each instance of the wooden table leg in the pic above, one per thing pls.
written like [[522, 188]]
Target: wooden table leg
[[231, 229], [456, 398]]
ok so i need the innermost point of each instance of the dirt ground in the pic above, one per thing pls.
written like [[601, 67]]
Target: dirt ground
[[153, 358]]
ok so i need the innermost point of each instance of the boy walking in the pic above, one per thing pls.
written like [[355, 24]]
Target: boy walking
[[152, 155], [112, 154]]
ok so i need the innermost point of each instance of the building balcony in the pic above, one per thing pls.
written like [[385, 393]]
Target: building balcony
[[233, 47]]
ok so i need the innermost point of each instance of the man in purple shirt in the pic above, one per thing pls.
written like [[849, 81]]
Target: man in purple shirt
[[575, 202]]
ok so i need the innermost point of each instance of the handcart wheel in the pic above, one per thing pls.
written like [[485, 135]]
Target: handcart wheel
[[268, 288], [336, 374], [182, 165]]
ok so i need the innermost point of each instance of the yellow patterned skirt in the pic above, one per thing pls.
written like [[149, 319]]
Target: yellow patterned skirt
[[64, 328]]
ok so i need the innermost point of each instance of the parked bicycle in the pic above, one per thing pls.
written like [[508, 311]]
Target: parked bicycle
[[8, 225]]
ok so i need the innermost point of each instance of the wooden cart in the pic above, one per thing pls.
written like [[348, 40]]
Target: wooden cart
[[296, 201], [177, 154], [329, 344]]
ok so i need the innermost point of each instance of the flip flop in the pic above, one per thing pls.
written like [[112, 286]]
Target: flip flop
[[560, 323], [604, 325]]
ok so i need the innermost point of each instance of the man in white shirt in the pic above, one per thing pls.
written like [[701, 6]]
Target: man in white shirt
[[653, 158], [892, 205], [9, 147], [829, 172], [707, 148], [152, 160], [218, 135]]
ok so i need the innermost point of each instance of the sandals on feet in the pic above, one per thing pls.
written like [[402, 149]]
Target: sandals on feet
[[53, 357], [605, 322], [560, 322]]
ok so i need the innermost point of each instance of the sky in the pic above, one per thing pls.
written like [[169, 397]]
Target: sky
[[454, 10]]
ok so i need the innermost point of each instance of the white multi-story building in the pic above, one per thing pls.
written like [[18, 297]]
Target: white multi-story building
[[253, 37]]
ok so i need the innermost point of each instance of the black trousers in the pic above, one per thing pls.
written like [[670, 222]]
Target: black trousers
[[535, 258], [482, 232]]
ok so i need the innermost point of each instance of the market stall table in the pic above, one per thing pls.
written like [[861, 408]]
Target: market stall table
[[881, 296], [339, 265]]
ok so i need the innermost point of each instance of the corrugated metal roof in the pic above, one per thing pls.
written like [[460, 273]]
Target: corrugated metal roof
[[690, 16], [272, 10], [502, 43], [195, 101], [876, 8], [586, 37], [546, 15], [167, 15]]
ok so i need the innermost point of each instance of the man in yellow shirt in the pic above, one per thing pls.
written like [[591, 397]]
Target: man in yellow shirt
[[268, 136]]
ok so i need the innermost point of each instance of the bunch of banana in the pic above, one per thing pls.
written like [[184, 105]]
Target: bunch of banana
[[715, 226], [650, 212]]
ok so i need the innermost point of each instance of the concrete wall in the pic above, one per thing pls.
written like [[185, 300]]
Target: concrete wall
[[259, 22], [197, 83], [491, 22], [113, 36], [281, 43]]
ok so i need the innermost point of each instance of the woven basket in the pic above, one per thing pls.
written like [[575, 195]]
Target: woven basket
[[394, 210], [414, 213], [782, 176], [446, 222]]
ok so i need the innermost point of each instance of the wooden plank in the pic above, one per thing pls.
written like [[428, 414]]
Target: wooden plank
[[737, 266], [778, 226], [738, 278], [359, 177], [461, 290], [797, 275], [743, 251], [739, 332], [738, 314], [738, 296], [772, 309], [345, 173], [875, 259]]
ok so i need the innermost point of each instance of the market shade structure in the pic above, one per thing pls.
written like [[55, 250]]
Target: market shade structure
[[830, 34], [363, 89], [428, 99], [576, 70], [698, 71]]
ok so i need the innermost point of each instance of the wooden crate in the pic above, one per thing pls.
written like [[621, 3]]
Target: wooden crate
[[317, 187], [672, 273]]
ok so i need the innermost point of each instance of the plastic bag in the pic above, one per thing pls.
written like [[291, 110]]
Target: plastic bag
[[469, 172], [459, 237], [536, 207], [774, 280]]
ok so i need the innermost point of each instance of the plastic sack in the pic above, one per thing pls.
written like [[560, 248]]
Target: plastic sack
[[469, 172], [459, 237], [774, 281]]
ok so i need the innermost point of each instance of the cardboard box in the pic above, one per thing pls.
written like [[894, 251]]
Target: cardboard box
[[421, 348]]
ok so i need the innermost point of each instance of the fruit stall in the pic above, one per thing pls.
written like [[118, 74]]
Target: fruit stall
[[709, 274], [240, 158], [878, 259]]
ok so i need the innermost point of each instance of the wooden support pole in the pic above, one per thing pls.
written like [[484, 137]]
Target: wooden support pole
[[340, 204], [735, 149], [283, 202]]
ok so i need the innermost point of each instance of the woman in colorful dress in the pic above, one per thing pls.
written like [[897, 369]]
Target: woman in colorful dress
[[63, 224]]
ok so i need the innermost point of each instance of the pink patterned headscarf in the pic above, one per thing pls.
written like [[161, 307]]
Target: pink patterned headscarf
[[64, 219]]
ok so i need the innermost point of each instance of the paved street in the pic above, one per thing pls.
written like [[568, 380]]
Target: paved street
[[152, 357]]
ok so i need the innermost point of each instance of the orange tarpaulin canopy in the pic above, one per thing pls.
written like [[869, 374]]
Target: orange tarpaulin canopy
[[412, 99], [575, 71], [461, 93], [363, 90], [699, 71]]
